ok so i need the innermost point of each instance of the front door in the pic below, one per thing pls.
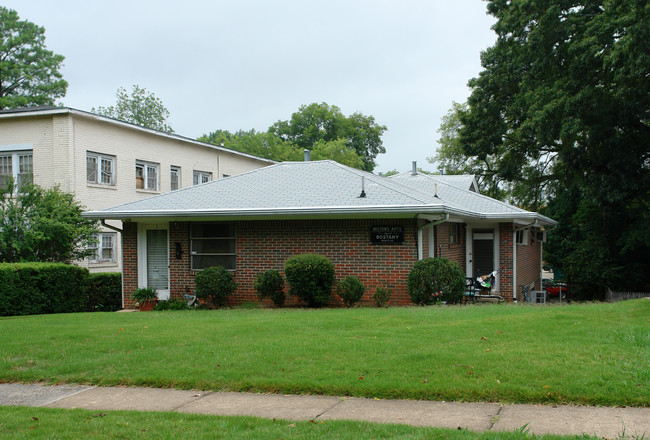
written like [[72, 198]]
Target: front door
[[483, 252], [154, 262]]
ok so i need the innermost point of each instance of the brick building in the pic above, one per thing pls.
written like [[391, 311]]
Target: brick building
[[370, 226]]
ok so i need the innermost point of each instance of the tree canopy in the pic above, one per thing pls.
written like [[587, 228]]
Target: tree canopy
[[29, 73], [38, 224], [140, 108], [322, 122], [354, 141], [563, 105]]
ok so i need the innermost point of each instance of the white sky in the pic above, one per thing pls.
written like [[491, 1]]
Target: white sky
[[245, 64]]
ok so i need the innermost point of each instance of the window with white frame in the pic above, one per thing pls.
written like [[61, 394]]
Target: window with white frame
[[175, 177], [212, 244], [146, 175], [104, 249], [100, 169], [16, 165], [522, 237], [201, 177]]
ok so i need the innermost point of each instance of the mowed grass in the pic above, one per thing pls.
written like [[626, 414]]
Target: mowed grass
[[39, 423], [595, 354]]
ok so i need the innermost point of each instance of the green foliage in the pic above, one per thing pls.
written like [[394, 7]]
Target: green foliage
[[39, 288], [265, 145], [382, 296], [171, 304], [104, 292], [310, 277], [144, 294], [562, 109], [38, 224], [436, 279], [216, 283], [270, 284], [29, 73], [315, 123], [351, 290], [140, 108]]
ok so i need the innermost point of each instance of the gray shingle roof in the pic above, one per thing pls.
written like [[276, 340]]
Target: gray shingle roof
[[317, 188]]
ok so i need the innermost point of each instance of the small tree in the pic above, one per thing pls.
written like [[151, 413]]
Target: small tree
[[216, 283], [270, 284], [351, 290], [310, 278], [436, 279], [38, 224], [140, 108]]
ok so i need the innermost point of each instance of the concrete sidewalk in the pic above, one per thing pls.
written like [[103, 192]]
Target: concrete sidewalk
[[540, 419]]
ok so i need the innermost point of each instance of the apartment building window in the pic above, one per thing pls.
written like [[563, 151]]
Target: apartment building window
[[201, 177], [212, 244], [104, 249], [16, 165], [522, 237], [100, 169], [146, 175], [175, 177]]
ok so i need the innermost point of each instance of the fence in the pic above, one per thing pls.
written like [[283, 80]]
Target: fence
[[612, 296]]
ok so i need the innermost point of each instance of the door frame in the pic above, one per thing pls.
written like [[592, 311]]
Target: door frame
[[469, 239], [142, 256]]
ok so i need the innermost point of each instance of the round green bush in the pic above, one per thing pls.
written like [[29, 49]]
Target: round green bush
[[310, 278], [216, 283], [436, 279], [270, 284], [351, 289]]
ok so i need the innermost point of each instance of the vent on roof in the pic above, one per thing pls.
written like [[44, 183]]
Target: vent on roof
[[414, 171], [307, 155], [363, 188], [435, 191]]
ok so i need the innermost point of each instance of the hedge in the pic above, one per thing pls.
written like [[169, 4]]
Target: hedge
[[40, 288]]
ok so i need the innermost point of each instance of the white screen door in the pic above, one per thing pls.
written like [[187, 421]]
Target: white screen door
[[154, 259]]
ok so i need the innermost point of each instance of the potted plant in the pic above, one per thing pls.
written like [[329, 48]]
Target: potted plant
[[145, 297]]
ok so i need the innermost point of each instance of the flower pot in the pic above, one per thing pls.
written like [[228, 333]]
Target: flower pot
[[147, 306]]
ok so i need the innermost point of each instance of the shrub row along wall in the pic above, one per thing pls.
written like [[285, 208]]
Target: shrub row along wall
[[39, 288]]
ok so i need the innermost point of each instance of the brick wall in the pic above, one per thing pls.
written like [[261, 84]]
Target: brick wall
[[528, 262], [505, 260], [264, 245], [130, 262]]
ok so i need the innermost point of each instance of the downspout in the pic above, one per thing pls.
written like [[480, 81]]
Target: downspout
[[111, 227], [428, 225]]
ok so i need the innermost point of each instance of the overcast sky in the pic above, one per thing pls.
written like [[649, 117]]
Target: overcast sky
[[249, 63]]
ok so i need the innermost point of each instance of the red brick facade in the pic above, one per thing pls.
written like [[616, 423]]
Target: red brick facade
[[264, 245], [529, 263]]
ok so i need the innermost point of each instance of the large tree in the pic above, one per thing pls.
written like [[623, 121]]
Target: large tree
[[140, 108], [38, 224], [29, 73], [326, 123], [563, 103]]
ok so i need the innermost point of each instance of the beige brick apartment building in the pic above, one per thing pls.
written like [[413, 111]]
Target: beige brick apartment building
[[106, 162]]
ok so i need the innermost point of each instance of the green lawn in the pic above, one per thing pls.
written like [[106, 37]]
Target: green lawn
[[596, 354], [38, 423]]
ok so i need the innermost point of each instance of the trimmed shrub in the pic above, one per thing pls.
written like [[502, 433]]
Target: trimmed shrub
[[310, 277], [216, 283], [270, 284], [105, 292], [37, 288], [351, 289], [172, 304], [436, 279], [382, 296]]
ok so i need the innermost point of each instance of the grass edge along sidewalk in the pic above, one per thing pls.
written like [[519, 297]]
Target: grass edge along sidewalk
[[589, 354], [26, 422]]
